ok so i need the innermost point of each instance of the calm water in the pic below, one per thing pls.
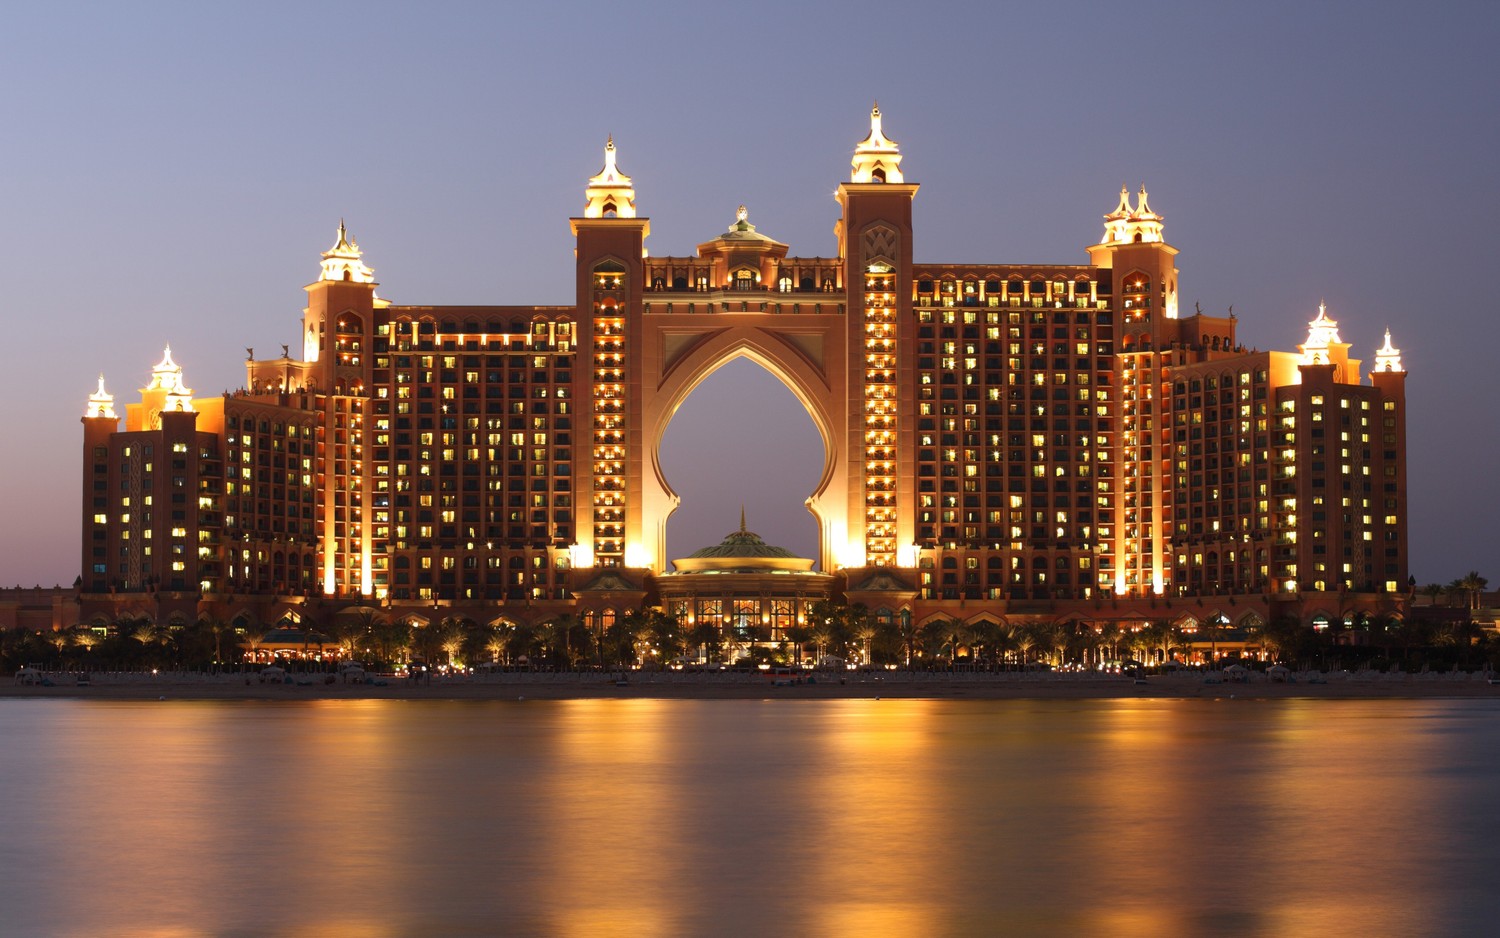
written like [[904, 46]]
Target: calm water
[[677, 818]]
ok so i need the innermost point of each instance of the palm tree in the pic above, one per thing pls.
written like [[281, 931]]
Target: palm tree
[[494, 640], [1259, 633], [909, 634], [984, 638], [662, 633], [831, 626], [148, 633], [521, 641], [1047, 639], [427, 640], [85, 638], [619, 640], [557, 636], [353, 630], [1473, 584], [391, 639], [1006, 643], [950, 635], [799, 635], [864, 633], [475, 648], [1024, 638], [704, 636], [1110, 635], [451, 637]]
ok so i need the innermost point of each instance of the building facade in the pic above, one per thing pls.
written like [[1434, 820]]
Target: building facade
[[1001, 440]]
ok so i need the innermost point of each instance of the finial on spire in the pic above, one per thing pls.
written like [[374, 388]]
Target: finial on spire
[[167, 376], [342, 261], [1388, 357], [1128, 224], [101, 402], [1322, 334], [609, 192], [742, 507], [1143, 207], [876, 158]]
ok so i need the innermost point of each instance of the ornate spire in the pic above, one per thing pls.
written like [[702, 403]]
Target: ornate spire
[[167, 376], [876, 158], [1114, 222], [1143, 225], [1143, 208], [1322, 333], [342, 261], [610, 194], [1126, 224], [1387, 357], [102, 403], [742, 507]]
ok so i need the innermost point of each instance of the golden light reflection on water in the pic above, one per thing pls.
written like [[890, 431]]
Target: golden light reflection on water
[[679, 818], [615, 792]]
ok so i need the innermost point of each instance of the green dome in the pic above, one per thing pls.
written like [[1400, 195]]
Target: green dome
[[742, 552], [742, 544]]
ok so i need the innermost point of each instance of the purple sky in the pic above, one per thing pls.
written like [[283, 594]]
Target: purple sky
[[170, 173]]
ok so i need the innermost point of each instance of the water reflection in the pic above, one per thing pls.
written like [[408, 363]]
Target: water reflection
[[872, 818]]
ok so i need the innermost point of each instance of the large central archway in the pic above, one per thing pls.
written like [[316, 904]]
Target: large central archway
[[742, 443], [805, 353]]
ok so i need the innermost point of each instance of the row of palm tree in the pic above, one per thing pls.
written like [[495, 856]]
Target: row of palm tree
[[1466, 591], [832, 632]]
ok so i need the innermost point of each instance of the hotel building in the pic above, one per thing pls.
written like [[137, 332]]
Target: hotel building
[[1001, 440]]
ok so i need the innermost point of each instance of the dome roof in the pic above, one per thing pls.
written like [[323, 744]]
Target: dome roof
[[742, 230], [742, 543], [742, 551]]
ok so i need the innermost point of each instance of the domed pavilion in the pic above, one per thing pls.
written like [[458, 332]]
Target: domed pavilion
[[756, 589]]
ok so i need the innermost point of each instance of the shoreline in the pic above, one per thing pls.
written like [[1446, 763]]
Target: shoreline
[[677, 686]]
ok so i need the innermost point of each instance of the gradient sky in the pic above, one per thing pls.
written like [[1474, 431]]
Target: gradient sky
[[171, 172]]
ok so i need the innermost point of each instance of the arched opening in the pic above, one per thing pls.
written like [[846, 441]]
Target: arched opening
[[718, 454]]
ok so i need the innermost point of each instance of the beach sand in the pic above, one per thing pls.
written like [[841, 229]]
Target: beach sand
[[734, 686]]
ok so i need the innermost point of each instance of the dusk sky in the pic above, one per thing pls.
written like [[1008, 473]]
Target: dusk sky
[[171, 172]]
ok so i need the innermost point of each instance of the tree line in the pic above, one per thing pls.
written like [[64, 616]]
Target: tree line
[[833, 634]]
